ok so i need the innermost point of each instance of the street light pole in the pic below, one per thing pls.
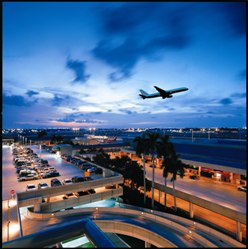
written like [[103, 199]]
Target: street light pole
[[8, 221]]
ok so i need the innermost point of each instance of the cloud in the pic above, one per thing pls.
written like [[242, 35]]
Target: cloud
[[149, 30], [226, 101], [116, 21], [126, 111], [78, 67], [30, 93], [17, 100], [96, 113], [239, 95], [59, 100], [82, 121], [123, 57], [235, 13], [77, 118]]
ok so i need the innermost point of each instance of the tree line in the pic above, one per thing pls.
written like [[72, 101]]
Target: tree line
[[150, 144]]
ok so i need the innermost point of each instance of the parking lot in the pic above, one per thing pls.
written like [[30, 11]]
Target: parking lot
[[66, 170]]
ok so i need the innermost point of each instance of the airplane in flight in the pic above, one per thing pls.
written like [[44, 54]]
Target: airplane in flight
[[161, 93]]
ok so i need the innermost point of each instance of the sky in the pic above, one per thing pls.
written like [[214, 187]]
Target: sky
[[82, 64]]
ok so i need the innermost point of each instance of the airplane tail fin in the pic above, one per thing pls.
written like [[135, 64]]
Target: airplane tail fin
[[143, 92]]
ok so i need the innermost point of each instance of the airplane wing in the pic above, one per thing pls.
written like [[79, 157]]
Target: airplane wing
[[177, 90], [162, 92], [168, 93]]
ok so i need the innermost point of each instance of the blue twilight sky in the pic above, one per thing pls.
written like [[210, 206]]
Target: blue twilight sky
[[77, 64]]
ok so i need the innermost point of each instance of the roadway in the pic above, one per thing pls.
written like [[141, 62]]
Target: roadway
[[166, 230], [225, 194]]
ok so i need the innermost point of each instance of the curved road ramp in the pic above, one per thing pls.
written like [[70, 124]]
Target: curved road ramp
[[153, 227]]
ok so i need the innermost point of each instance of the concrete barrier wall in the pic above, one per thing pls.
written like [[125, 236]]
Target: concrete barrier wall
[[134, 231], [128, 212], [190, 223], [61, 190], [161, 220], [63, 204]]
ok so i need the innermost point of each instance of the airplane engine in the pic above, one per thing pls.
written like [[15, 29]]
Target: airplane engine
[[170, 96]]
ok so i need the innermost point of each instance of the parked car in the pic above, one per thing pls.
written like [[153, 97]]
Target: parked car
[[85, 167], [18, 169], [81, 193], [67, 182], [55, 182], [24, 172], [75, 161], [194, 177], [44, 162], [68, 158], [110, 187], [242, 188], [43, 185], [28, 177], [20, 163], [92, 169], [68, 196], [76, 179], [50, 174], [92, 191], [31, 187], [80, 163]]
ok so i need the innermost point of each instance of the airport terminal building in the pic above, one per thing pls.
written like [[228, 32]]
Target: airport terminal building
[[219, 159]]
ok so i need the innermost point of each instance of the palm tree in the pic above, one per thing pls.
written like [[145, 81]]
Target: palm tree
[[165, 150], [141, 150], [152, 148], [174, 166], [134, 173], [102, 159]]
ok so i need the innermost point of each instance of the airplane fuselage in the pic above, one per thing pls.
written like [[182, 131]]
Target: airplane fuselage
[[162, 93], [153, 95]]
